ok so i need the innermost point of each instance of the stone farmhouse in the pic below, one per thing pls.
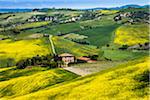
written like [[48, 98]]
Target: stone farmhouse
[[67, 58]]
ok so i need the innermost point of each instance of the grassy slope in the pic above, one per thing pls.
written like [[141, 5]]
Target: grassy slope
[[127, 33], [62, 45], [134, 9], [18, 17], [120, 55], [33, 25], [102, 32], [57, 29], [99, 36], [18, 50], [123, 82], [34, 82], [65, 12], [12, 72]]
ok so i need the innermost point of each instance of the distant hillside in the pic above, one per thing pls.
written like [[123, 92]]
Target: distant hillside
[[98, 8], [119, 8], [14, 10]]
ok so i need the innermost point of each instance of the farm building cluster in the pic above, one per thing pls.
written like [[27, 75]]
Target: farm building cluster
[[70, 59]]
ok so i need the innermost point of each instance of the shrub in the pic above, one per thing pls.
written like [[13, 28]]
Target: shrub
[[144, 77]]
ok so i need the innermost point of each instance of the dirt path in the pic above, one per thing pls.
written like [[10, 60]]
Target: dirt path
[[52, 45], [77, 71]]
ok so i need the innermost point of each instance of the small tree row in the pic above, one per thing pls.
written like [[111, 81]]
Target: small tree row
[[37, 60]]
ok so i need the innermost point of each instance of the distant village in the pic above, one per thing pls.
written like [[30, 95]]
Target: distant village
[[52, 18], [134, 17], [58, 18]]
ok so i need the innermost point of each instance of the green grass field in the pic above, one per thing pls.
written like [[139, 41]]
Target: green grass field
[[126, 81], [28, 82], [33, 25], [57, 29], [66, 46], [100, 36], [119, 55]]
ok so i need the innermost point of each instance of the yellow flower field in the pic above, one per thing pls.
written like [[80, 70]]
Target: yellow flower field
[[22, 49], [132, 34]]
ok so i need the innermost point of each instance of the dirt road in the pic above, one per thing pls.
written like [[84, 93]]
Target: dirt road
[[77, 71]]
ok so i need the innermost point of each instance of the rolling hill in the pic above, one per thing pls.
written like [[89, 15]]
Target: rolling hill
[[127, 81], [22, 49], [118, 74], [127, 33], [36, 81]]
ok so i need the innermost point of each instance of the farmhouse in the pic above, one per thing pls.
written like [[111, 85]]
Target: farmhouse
[[67, 58]]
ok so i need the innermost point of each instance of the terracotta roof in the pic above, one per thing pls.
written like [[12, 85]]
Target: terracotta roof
[[84, 58], [66, 55]]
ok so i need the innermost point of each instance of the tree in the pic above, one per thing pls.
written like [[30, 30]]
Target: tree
[[94, 57], [21, 64], [35, 9], [107, 45], [15, 31], [124, 47]]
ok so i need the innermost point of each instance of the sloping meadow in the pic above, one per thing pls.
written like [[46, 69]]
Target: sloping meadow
[[127, 81], [38, 79]]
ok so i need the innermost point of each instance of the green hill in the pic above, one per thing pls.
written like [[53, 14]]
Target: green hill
[[99, 31], [119, 79], [127, 81], [63, 45], [14, 18], [100, 36]]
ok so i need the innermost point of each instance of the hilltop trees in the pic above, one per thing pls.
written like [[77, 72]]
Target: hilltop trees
[[37, 60]]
